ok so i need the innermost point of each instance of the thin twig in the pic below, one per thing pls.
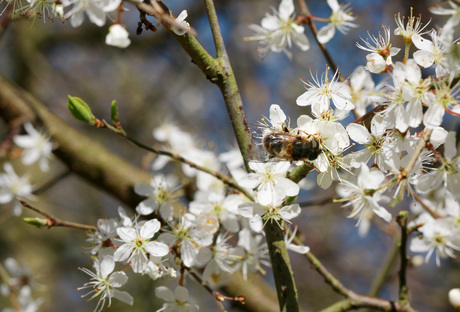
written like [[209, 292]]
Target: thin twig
[[353, 300], [432, 213], [53, 221], [225, 179], [156, 10], [219, 297], [215, 29], [305, 12]]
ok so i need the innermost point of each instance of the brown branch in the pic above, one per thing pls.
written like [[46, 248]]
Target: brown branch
[[53, 221]]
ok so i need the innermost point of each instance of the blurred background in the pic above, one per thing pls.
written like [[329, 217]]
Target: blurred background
[[153, 80]]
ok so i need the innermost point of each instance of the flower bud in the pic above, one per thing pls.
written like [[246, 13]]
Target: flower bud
[[114, 112], [38, 222], [454, 298], [80, 110]]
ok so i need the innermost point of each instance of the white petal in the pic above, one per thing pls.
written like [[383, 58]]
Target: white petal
[[138, 262], [123, 252], [380, 211], [421, 43], [123, 296], [147, 206], [289, 187], [157, 249], [359, 133], [300, 39], [277, 116], [298, 249], [118, 279], [24, 141], [188, 253], [126, 234], [434, 116], [149, 228], [290, 212], [438, 136], [324, 180], [107, 265], [143, 189], [164, 293], [181, 294], [326, 33], [424, 58]]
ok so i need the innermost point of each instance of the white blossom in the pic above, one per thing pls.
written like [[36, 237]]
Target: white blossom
[[137, 244], [340, 18], [104, 282], [364, 195], [36, 145], [12, 186], [177, 301], [117, 36], [278, 31], [321, 91], [270, 181], [160, 194], [380, 50], [440, 236]]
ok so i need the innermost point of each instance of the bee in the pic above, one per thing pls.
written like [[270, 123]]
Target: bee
[[291, 146]]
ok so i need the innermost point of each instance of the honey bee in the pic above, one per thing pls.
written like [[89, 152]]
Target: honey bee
[[291, 146]]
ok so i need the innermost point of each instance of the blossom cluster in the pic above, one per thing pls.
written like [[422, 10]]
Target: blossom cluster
[[279, 30], [214, 225], [19, 285], [217, 233], [97, 11], [396, 156], [36, 148]]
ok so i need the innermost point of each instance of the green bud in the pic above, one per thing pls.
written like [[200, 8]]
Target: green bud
[[38, 222], [114, 112], [80, 110]]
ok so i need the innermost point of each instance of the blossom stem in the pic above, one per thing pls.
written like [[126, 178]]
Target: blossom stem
[[433, 213], [53, 221]]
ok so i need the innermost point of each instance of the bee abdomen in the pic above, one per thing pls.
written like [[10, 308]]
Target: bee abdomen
[[302, 149]]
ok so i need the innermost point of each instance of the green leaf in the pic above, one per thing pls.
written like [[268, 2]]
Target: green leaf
[[80, 110]]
